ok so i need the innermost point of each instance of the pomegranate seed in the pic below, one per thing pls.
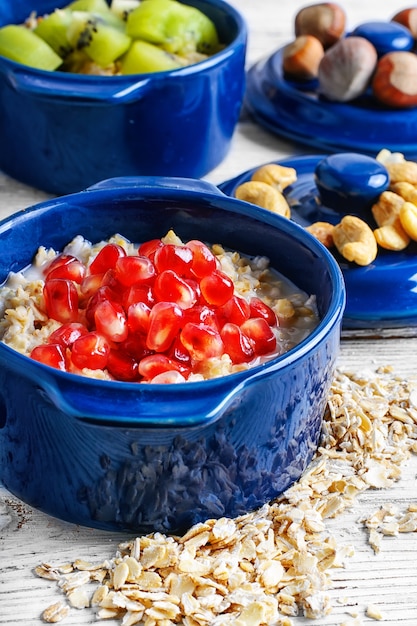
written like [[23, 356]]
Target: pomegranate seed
[[170, 287], [138, 294], [164, 323], [138, 317], [204, 261], [260, 335], [106, 259], [176, 258], [111, 321], [66, 334], [258, 308], [102, 294], [168, 378], [110, 280], [154, 364], [148, 248], [91, 284], [50, 354], [61, 300], [236, 344], [130, 270], [66, 266], [201, 314], [201, 341], [216, 288], [135, 346], [122, 366], [236, 310], [179, 353], [91, 351]]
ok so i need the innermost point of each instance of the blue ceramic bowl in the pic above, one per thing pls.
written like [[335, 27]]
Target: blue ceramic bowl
[[144, 457], [63, 132]]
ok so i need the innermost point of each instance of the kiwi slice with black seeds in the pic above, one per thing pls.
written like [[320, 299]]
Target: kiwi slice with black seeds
[[22, 45], [143, 58], [100, 40]]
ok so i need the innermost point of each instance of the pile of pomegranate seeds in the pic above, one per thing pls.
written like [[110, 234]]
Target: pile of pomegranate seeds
[[152, 316]]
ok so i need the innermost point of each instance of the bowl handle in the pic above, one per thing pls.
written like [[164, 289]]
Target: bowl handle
[[52, 85], [166, 182]]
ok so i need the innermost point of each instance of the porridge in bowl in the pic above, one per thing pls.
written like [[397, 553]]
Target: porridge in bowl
[[162, 311]]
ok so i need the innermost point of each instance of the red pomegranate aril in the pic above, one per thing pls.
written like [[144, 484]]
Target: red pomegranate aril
[[66, 334], [138, 317], [66, 266], [236, 344], [148, 248], [169, 287], [51, 354], [61, 300], [130, 270], [122, 366], [201, 314], [165, 321], [260, 335], [201, 341], [106, 259], [176, 258], [154, 364], [236, 310], [102, 294], [110, 280], [216, 288], [135, 346], [91, 284], [90, 351], [178, 352], [111, 321], [138, 294], [259, 308], [204, 261]]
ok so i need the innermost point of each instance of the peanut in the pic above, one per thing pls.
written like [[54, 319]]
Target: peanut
[[407, 191], [355, 240], [387, 209], [275, 175], [392, 236], [402, 171], [346, 69], [263, 195]]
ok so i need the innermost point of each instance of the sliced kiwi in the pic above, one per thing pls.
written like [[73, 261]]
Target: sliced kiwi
[[101, 41], [143, 58], [92, 6], [122, 8], [52, 28], [22, 45], [176, 27]]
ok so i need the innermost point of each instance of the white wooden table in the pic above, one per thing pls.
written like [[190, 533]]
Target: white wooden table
[[389, 579]]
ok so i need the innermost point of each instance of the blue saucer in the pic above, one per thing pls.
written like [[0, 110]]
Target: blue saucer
[[382, 295], [295, 111]]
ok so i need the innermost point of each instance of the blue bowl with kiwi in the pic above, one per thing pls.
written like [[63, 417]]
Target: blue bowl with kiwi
[[73, 113]]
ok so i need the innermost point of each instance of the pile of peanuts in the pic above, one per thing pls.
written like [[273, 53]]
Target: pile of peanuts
[[346, 66], [395, 212]]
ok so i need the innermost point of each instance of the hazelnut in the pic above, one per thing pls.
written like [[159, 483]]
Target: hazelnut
[[301, 58], [395, 80], [326, 21], [346, 69], [408, 18]]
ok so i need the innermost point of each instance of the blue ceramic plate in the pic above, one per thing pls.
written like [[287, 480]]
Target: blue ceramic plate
[[380, 296], [295, 111]]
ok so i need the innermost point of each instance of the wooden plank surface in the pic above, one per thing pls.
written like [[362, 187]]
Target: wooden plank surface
[[388, 579]]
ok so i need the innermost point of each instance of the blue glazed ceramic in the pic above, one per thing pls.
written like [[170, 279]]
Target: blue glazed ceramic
[[382, 295], [385, 36], [350, 183], [144, 457], [62, 132], [296, 111]]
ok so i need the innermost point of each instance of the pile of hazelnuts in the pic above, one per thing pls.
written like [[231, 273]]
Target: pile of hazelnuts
[[375, 57]]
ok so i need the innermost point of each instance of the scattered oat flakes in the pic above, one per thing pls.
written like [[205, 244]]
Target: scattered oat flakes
[[374, 612], [274, 563]]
